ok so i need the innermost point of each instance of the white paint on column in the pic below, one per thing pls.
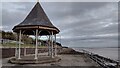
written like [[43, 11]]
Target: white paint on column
[[49, 46], [16, 49], [19, 45], [55, 46], [24, 51], [36, 48], [52, 45], [16, 52]]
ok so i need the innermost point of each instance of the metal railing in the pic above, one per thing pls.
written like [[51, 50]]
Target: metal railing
[[102, 61]]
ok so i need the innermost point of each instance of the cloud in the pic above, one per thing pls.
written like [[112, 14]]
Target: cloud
[[3, 27], [60, 0], [13, 13], [89, 24]]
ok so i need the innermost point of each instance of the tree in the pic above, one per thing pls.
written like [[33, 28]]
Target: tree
[[3, 34], [26, 39]]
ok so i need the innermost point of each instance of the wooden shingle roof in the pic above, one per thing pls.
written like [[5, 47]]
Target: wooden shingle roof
[[38, 19]]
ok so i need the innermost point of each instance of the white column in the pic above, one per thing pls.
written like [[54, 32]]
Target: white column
[[36, 50], [49, 46], [52, 45], [16, 49], [55, 46], [16, 52], [24, 51], [19, 45]]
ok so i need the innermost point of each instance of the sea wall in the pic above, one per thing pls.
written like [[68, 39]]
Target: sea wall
[[66, 50]]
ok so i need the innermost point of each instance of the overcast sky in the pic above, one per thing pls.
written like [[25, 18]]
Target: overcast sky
[[82, 24]]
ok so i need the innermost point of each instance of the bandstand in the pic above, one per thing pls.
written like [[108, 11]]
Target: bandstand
[[38, 24]]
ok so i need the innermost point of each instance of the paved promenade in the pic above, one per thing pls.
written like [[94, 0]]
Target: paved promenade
[[66, 60]]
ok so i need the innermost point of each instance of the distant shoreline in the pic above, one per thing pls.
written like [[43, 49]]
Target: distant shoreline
[[94, 47]]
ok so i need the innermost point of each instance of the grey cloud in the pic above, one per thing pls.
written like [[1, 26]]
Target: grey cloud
[[13, 13], [80, 23]]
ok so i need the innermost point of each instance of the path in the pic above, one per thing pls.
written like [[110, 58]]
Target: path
[[66, 60]]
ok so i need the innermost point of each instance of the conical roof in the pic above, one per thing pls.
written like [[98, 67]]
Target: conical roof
[[37, 17]]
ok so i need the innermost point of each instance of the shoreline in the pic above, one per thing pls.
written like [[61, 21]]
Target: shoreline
[[106, 60], [101, 60], [111, 53], [66, 52]]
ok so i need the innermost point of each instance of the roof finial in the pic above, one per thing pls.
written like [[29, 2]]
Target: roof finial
[[37, 0]]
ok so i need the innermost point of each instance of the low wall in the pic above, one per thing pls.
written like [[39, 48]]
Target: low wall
[[10, 52]]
